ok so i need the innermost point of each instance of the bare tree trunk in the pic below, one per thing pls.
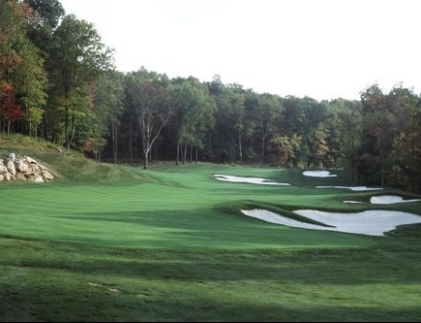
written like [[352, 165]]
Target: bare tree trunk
[[185, 153], [114, 130], [66, 125], [240, 147], [210, 141], [72, 132], [191, 154], [264, 130], [178, 153], [130, 144], [381, 172], [44, 118], [413, 165], [145, 159], [146, 150], [182, 154], [263, 152]]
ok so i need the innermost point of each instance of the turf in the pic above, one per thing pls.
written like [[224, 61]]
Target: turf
[[118, 243]]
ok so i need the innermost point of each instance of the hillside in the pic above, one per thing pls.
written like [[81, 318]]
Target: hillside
[[70, 166]]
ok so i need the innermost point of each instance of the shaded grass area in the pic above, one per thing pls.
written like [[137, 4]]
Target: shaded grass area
[[45, 281], [117, 243]]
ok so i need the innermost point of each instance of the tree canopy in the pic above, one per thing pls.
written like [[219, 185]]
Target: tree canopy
[[58, 81]]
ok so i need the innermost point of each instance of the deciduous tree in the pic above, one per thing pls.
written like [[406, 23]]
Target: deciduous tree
[[147, 95], [80, 58]]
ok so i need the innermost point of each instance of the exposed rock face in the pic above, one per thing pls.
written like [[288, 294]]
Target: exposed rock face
[[23, 168]]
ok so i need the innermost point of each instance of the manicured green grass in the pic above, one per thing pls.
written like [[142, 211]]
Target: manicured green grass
[[116, 243], [178, 210], [44, 281]]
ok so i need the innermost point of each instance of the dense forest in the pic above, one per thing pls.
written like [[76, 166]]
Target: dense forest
[[58, 82]]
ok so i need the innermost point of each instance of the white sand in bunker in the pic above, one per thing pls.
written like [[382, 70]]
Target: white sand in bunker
[[370, 222], [318, 173], [386, 199], [252, 180], [353, 188], [390, 199], [325, 173]]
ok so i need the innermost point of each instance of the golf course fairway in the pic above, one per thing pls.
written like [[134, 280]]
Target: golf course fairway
[[117, 243]]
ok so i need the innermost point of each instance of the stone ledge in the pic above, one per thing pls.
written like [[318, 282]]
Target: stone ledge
[[23, 168]]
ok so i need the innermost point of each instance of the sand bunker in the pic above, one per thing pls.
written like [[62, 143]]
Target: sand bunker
[[386, 199], [353, 188], [252, 180], [390, 199], [318, 173], [370, 222]]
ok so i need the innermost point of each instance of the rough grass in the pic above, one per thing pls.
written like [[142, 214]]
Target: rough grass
[[116, 243]]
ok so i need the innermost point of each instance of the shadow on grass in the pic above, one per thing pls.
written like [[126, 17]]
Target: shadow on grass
[[400, 264], [204, 229], [57, 282], [57, 302]]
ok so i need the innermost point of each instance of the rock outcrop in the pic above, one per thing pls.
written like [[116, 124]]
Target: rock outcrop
[[23, 168]]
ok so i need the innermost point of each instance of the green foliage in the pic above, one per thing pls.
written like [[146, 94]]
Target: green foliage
[[57, 81], [48, 12], [390, 122], [194, 113], [31, 83], [22, 78], [230, 121], [80, 59]]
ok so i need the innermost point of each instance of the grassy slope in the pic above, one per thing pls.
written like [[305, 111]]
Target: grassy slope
[[169, 244]]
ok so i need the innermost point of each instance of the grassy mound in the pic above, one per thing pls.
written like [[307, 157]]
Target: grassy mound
[[70, 166]]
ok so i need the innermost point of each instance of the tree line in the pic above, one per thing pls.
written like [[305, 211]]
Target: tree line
[[58, 81]]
